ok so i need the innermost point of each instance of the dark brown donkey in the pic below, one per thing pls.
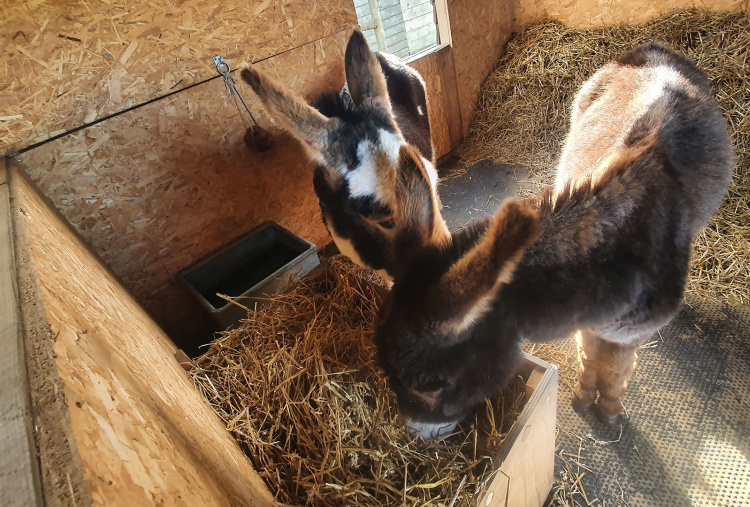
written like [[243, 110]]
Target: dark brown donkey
[[361, 141], [645, 165]]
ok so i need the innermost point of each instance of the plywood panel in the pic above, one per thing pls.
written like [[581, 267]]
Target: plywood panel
[[159, 188], [62, 476], [66, 63], [479, 31], [528, 456], [590, 13], [19, 482], [144, 433], [442, 101]]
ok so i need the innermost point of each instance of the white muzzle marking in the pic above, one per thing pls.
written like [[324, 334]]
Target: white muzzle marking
[[430, 431]]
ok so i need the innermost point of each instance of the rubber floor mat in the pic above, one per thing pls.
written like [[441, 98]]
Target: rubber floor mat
[[686, 437]]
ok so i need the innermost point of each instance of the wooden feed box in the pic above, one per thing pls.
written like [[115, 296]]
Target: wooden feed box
[[95, 409], [527, 458]]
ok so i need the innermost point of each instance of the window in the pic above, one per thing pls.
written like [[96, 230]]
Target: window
[[400, 27]]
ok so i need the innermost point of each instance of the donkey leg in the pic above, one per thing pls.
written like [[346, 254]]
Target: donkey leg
[[584, 394], [616, 365]]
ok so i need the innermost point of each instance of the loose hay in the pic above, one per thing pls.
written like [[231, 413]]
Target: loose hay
[[522, 116], [298, 386]]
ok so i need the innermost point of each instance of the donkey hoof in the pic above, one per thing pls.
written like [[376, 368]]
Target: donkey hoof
[[581, 406], [608, 414]]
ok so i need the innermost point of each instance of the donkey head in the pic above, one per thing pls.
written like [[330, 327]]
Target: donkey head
[[440, 340], [360, 157]]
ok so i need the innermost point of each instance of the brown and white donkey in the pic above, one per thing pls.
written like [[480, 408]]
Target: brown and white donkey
[[367, 143], [646, 164]]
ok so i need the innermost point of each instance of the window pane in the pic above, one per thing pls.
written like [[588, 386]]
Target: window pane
[[406, 26]]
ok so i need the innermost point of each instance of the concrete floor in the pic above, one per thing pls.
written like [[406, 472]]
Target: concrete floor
[[685, 439]]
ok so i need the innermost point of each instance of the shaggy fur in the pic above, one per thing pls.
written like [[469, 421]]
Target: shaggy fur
[[361, 140], [647, 162]]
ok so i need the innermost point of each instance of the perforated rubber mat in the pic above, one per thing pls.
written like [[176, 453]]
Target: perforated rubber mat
[[686, 437]]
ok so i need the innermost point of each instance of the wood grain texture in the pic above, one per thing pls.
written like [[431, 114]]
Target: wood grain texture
[[528, 454], [157, 189], [62, 476], [592, 13], [19, 473], [428, 68], [479, 30], [436, 69], [67, 63], [144, 433]]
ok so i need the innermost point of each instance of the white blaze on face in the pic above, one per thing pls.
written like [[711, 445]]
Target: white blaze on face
[[364, 180], [391, 145]]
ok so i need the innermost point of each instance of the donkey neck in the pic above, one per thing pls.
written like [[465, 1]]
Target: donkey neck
[[592, 259]]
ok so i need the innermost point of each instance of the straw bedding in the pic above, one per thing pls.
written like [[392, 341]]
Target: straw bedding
[[523, 109], [299, 388]]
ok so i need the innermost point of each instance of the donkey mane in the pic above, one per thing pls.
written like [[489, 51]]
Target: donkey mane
[[334, 104], [423, 265], [577, 220]]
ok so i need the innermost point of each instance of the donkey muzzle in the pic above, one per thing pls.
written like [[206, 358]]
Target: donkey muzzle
[[430, 431]]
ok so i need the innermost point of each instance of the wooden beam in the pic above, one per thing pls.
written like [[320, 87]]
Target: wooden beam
[[19, 470], [450, 97], [443, 22]]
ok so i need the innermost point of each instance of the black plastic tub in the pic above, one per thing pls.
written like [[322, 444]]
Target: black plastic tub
[[250, 269]]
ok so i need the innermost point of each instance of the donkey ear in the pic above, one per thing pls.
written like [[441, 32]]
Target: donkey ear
[[417, 204], [364, 76], [467, 289], [290, 110]]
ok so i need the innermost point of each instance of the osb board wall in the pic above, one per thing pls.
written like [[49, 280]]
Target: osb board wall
[[165, 185], [436, 69], [66, 63], [144, 433], [589, 13], [479, 30], [62, 478]]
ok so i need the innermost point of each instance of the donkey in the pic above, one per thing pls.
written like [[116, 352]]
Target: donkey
[[605, 252], [360, 140]]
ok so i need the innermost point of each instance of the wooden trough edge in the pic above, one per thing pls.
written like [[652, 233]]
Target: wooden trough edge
[[20, 482], [525, 475]]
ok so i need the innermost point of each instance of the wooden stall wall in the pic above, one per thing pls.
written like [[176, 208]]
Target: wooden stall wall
[[159, 188], [66, 63], [442, 99], [590, 13], [144, 434], [162, 186], [479, 29]]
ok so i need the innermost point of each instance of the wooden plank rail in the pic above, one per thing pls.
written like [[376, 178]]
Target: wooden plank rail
[[19, 472]]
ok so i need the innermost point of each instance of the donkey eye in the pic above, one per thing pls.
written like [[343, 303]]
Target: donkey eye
[[387, 224]]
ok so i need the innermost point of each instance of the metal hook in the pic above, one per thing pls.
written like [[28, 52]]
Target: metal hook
[[222, 68], [221, 64]]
